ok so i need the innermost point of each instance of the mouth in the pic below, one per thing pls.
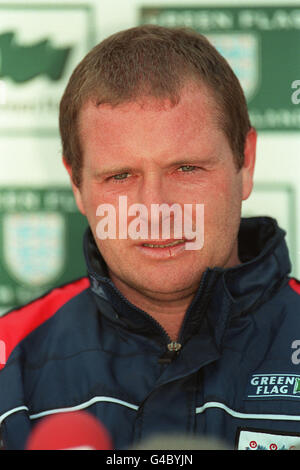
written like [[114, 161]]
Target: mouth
[[162, 249], [164, 244]]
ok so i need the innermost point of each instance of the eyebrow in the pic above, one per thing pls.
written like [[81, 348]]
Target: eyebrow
[[195, 160], [112, 171]]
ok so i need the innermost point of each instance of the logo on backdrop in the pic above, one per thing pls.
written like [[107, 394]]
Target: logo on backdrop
[[256, 41], [241, 51], [34, 246], [21, 62], [37, 55], [40, 230]]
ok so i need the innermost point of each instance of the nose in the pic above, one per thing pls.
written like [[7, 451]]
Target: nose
[[153, 191], [164, 215]]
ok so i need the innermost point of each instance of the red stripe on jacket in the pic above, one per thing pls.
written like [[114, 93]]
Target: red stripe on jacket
[[17, 324], [295, 285]]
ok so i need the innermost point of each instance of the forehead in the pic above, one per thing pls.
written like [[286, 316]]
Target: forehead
[[150, 122]]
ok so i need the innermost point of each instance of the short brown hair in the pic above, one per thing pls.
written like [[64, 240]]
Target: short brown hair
[[152, 61]]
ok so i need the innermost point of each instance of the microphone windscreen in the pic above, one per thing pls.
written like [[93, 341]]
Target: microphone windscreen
[[76, 430]]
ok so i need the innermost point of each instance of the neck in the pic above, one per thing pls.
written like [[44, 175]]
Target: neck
[[171, 323], [167, 310]]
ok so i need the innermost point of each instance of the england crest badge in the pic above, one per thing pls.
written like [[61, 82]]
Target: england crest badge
[[34, 246]]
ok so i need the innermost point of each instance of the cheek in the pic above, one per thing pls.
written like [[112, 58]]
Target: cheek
[[91, 199], [228, 189], [222, 204]]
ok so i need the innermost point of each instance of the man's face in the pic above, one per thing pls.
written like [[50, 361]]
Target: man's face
[[157, 154]]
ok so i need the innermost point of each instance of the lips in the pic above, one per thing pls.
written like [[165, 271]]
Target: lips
[[161, 249], [162, 243]]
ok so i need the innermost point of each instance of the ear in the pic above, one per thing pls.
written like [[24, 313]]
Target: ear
[[249, 163], [75, 188]]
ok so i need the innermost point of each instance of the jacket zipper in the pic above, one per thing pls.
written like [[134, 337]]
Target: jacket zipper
[[172, 347]]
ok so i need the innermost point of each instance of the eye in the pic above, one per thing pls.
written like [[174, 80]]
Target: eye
[[119, 177], [187, 168]]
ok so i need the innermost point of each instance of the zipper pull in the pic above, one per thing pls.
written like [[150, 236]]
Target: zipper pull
[[170, 354]]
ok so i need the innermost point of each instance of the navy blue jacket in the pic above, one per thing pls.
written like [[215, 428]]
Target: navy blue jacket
[[236, 377]]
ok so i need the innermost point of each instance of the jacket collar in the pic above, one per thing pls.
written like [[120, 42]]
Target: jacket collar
[[222, 293]]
